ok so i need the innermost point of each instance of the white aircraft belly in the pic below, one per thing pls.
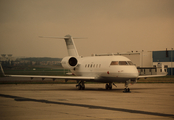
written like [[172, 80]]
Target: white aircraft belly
[[109, 74]]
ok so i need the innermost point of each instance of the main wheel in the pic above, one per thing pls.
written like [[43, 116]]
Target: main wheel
[[128, 90], [107, 86], [83, 87], [110, 86], [79, 87]]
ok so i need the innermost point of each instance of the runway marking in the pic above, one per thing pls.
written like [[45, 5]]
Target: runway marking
[[17, 98]]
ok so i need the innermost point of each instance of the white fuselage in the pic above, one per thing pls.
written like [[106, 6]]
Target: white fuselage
[[101, 68]]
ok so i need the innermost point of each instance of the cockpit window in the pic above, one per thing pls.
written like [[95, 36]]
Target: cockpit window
[[130, 63], [114, 63], [122, 63]]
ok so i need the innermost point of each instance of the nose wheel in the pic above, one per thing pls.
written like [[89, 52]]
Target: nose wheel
[[127, 90]]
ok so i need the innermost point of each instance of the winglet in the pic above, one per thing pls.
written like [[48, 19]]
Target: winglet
[[2, 71]]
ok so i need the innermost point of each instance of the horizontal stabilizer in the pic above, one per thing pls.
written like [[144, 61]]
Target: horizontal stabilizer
[[71, 48], [54, 37]]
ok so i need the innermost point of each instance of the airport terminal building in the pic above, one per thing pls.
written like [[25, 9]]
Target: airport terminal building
[[152, 58], [166, 58]]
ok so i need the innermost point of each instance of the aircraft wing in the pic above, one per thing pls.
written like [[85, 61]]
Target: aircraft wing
[[158, 75], [48, 77], [53, 77]]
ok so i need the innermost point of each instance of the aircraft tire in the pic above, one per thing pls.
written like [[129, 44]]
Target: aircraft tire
[[110, 87], [126, 90], [83, 87], [79, 87], [107, 86]]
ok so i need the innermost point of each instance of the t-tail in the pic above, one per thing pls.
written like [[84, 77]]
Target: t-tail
[[72, 51], [71, 48]]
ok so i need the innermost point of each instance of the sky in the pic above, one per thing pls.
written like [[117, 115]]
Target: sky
[[110, 26]]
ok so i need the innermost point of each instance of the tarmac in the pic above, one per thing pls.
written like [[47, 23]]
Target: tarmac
[[65, 102]]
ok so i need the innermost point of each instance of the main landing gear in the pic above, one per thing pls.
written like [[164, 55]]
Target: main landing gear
[[109, 86], [127, 90], [81, 85]]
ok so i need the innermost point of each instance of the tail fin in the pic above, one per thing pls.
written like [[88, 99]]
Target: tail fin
[[71, 48], [72, 51]]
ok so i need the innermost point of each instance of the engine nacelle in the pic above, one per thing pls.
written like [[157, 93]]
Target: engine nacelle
[[69, 62]]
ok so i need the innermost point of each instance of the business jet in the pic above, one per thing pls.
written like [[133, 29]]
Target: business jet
[[104, 69]]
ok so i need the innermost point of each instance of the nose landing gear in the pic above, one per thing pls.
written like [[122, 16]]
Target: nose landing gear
[[127, 90]]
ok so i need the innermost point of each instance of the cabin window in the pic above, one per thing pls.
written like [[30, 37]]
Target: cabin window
[[122, 63], [94, 65], [130, 63], [100, 65], [114, 63]]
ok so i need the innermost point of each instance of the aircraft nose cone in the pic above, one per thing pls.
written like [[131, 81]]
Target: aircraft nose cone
[[134, 75]]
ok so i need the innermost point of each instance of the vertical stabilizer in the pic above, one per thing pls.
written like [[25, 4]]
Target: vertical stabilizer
[[72, 51]]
